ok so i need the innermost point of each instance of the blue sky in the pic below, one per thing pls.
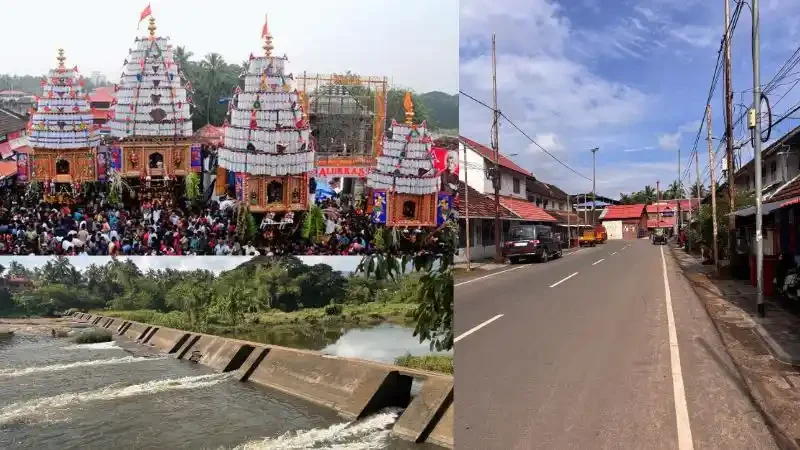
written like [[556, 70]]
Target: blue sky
[[631, 77]]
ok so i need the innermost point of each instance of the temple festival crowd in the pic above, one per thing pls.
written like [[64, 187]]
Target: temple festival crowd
[[159, 225]]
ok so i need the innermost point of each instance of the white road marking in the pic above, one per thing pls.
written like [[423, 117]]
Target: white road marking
[[681, 410], [477, 327], [490, 275], [613, 253], [504, 271], [576, 251], [565, 279], [598, 261]]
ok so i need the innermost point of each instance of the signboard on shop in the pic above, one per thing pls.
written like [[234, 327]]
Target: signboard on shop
[[343, 172]]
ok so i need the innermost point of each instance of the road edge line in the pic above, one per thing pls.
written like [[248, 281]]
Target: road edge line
[[682, 421], [782, 439]]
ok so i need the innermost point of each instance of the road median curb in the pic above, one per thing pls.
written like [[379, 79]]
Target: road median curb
[[782, 437]]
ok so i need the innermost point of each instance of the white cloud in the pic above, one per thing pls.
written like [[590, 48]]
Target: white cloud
[[358, 35], [547, 92], [672, 141], [638, 149], [698, 36]]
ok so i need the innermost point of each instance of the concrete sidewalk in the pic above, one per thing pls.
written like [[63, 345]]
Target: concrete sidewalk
[[766, 351]]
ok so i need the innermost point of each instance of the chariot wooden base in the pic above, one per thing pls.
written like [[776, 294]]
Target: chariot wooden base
[[141, 157], [63, 166], [293, 193], [406, 210]]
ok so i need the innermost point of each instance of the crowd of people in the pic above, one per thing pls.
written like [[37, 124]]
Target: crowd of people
[[159, 225]]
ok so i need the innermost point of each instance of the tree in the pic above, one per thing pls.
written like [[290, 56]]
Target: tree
[[191, 297], [433, 261], [17, 270], [60, 271], [314, 224]]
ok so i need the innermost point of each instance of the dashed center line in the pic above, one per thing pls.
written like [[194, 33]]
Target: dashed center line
[[477, 327], [598, 261], [613, 253], [563, 280]]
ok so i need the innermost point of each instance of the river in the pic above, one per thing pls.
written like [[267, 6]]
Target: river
[[58, 395]]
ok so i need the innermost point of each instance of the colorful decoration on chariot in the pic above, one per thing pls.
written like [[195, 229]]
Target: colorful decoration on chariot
[[268, 132], [150, 100], [406, 165], [62, 118]]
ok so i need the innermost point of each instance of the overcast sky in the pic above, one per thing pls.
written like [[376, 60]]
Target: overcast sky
[[413, 42], [215, 264]]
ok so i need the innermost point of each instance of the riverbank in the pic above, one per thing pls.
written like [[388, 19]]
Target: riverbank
[[366, 314], [432, 363]]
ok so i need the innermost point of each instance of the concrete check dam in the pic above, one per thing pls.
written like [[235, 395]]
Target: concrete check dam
[[157, 387]]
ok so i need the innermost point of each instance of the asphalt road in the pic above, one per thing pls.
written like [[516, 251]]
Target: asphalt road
[[576, 354]]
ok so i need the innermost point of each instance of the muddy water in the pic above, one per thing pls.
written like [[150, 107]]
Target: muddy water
[[57, 395]]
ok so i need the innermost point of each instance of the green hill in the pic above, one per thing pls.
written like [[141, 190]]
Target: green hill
[[442, 109]]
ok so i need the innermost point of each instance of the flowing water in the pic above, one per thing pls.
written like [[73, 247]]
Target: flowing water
[[58, 395]]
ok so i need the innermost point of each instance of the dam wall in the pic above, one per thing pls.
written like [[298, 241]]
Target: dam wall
[[354, 388]]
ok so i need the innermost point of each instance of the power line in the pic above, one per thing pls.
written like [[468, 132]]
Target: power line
[[501, 114], [714, 80]]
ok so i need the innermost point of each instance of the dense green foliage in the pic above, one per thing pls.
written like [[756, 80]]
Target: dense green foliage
[[431, 259], [256, 289], [93, 336], [434, 363], [443, 109], [649, 195], [704, 227]]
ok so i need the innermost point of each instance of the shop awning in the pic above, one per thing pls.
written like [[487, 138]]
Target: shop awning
[[7, 169]]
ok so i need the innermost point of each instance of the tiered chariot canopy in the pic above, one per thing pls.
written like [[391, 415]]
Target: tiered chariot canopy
[[406, 165], [62, 119], [268, 132], [150, 101]]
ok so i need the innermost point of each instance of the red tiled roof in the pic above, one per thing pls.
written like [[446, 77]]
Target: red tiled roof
[[526, 210], [8, 168], [789, 191], [666, 222], [619, 212], [661, 207], [100, 114], [480, 205], [488, 153], [103, 94], [561, 217], [685, 203]]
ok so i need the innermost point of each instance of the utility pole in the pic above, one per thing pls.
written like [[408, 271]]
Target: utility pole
[[729, 135], [713, 186], [680, 195], [594, 182], [754, 122], [498, 250], [466, 208], [658, 206], [569, 231]]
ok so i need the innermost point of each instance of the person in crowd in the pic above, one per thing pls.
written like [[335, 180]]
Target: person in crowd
[[157, 224]]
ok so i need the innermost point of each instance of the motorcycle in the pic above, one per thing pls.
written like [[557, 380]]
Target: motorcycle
[[787, 280]]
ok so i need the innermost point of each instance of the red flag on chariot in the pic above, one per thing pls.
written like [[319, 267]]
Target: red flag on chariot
[[145, 12]]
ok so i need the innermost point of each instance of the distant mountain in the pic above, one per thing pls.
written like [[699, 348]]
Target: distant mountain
[[443, 109]]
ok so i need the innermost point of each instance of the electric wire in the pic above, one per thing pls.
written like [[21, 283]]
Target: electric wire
[[511, 122]]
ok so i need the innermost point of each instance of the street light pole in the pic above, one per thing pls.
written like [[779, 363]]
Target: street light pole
[[754, 122], [594, 186]]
